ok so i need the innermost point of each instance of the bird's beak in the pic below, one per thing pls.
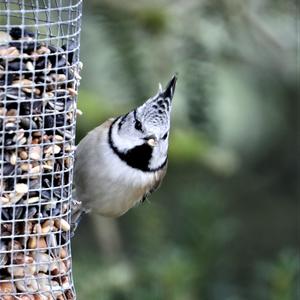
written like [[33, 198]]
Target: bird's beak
[[151, 140]]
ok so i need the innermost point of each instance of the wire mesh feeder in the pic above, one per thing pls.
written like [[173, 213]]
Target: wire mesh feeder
[[39, 52]]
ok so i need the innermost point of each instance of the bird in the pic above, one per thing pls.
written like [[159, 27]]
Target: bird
[[124, 160]]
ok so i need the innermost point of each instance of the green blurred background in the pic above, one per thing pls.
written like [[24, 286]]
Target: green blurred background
[[223, 225]]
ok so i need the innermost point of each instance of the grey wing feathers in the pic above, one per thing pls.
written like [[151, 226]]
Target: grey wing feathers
[[157, 183]]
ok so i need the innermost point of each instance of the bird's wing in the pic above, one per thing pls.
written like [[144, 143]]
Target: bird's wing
[[90, 141], [157, 182], [88, 148]]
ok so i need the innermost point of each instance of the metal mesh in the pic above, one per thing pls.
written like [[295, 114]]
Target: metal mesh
[[39, 77]]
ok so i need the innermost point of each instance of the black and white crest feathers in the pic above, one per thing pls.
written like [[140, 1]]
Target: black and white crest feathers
[[129, 134]]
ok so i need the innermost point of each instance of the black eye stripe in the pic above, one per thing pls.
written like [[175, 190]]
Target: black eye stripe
[[165, 136], [138, 125]]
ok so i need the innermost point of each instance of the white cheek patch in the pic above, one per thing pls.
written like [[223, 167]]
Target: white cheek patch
[[159, 154], [124, 142]]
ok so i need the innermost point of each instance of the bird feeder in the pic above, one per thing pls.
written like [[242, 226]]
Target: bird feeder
[[39, 78]]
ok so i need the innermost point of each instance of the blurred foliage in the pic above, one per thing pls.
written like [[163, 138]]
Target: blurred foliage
[[282, 276], [223, 226]]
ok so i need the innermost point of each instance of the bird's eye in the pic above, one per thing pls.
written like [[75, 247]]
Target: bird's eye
[[165, 136], [138, 125]]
